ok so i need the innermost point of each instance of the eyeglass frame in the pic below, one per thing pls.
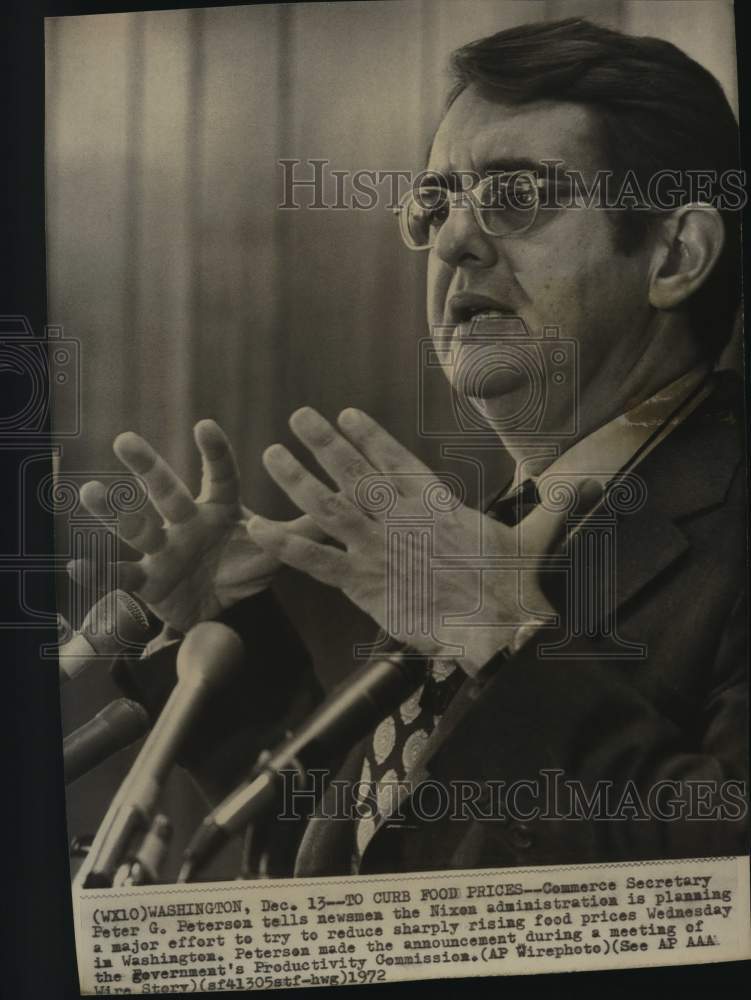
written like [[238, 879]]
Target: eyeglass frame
[[538, 183], [471, 194]]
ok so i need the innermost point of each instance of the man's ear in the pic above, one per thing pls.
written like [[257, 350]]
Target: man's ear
[[686, 249]]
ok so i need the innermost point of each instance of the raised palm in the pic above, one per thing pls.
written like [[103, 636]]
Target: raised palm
[[196, 556]]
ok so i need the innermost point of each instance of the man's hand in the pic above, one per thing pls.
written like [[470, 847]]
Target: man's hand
[[197, 558], [412, 588]]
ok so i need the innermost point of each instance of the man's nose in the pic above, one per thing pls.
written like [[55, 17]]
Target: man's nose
[[461, 242]]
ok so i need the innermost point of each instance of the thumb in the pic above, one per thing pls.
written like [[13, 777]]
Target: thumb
[[304, 526], [307, 528]]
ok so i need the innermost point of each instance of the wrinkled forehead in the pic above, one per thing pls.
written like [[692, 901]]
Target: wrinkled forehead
[[480, 135]]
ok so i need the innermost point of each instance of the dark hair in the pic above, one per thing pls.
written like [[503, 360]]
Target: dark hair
[[656, 108]]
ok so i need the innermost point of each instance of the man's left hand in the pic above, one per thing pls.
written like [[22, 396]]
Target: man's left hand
[[422, 570]]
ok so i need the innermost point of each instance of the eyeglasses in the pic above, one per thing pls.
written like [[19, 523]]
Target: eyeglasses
[[503, 204]]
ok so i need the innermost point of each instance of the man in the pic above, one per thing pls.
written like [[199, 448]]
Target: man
[[645, 691]]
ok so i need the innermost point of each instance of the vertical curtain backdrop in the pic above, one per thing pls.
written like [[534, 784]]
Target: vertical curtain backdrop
[[193, 295]]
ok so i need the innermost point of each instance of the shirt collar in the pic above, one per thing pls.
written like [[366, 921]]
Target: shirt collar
[[603, 453]]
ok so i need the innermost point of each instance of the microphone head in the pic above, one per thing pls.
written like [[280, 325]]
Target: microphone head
[[117, 726], [209, 653], [129, 608], [116, 621], [125, 719]]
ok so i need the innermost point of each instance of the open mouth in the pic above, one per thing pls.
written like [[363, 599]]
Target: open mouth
[[490, 323], [478, 316]]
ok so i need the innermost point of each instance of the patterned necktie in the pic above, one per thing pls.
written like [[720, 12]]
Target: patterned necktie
[[399, 738], [397, 743]]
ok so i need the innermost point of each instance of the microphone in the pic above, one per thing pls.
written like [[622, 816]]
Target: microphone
[[209, 654], [345, 717], [118, 725], [143, 869], [115, 622]]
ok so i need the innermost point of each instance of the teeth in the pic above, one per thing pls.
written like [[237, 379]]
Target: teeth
[[485, 314]]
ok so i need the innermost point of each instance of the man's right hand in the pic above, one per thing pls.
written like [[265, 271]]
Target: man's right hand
[[197, 557]]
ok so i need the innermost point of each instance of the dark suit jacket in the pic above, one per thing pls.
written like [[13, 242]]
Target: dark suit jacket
[[678, 713]]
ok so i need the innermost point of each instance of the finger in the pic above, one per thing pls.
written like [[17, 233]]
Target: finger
[[334, 452], [141, 529], [220, 478], [382, 450], [126, 575], [332, 512], [304, 525], [130, 576], [307, 528], [84, 572], [322, 562], [167, 492]]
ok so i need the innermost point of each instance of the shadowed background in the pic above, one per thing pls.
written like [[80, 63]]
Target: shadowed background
[[193, 295]]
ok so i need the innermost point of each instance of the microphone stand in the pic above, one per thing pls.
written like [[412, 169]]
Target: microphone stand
[[143, 869], [269, 843], [208, 654]]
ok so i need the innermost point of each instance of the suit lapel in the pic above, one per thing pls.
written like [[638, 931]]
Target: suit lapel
[[327, 844], [689, 472]]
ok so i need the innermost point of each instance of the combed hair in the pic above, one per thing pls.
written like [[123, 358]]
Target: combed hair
[[656, 109]]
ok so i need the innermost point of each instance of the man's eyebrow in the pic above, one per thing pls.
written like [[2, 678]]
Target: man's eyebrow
[[508, 164], [501, 165]]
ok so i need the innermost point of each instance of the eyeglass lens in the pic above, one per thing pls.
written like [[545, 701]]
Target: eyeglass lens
[[504, 204]]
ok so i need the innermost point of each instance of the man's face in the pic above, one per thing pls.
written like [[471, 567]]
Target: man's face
[[565, 271]]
